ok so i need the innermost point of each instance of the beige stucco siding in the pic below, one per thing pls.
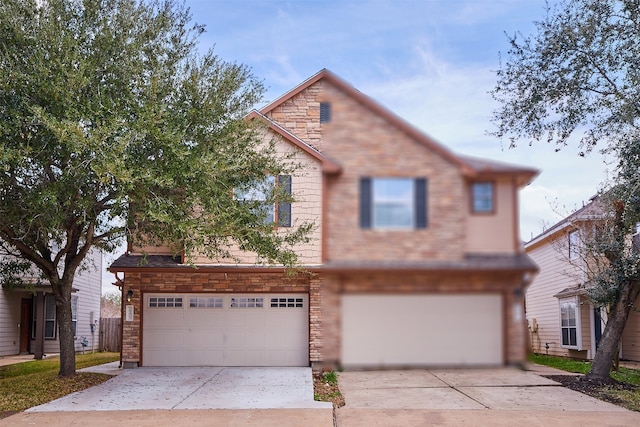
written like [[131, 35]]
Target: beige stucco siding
[[495, 232], [306, 187]]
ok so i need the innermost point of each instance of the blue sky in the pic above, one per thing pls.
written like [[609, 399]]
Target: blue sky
[[432, 62]]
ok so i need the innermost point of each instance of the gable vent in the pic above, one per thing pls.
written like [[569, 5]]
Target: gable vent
[[325, 112]]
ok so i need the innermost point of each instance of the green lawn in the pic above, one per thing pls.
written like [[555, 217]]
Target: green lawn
[[626, 375], [629, 399], [33, 383]]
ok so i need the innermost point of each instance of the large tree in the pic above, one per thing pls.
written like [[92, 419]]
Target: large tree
[[113, 125], [577, 80]]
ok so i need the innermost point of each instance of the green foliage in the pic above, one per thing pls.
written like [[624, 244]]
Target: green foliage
[[105, 107], [112, 125], [112, 298], [625, 375], [331, 377], [578, 77], [577, 74]]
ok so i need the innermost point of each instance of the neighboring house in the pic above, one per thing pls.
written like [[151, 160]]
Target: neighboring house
[[562, 320], [21, 332], [416, 260]]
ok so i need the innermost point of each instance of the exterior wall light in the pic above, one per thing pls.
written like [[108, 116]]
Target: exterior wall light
[[129, 295]]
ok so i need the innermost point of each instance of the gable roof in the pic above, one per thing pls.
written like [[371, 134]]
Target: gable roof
[[469, 166], [585, 213], [328, 165]]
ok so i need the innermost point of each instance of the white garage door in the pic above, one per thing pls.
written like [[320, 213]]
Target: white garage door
[[225, 330], [433, 330]]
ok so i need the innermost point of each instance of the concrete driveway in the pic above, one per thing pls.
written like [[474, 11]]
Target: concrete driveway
[[189, 396], [501, 397]]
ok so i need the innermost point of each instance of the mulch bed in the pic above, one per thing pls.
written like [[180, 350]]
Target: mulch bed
[[327, 391], [597, 389]]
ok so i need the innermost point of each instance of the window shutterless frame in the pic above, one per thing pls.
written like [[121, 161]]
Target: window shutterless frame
[[280, 212], [570, 331], [483, 197]]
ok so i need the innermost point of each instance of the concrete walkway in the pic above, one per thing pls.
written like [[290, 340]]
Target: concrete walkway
[[281, 397], [187, 397], [504, 396], [195, 388]]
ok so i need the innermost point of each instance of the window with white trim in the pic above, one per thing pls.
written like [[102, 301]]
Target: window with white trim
[[74, 314], [205, 302], [247, 302], [50, 328], [574, 241], [257, 194], [570, 324], [165, 302]]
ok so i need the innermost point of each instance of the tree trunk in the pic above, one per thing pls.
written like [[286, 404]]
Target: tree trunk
[[65, 329], [610, 341]]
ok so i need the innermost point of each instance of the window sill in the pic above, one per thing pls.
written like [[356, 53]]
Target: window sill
[[571, 347]]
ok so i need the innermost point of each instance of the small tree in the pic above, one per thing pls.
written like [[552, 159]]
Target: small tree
[[112, 125], [606, 263], [111, 305], [578, 76]]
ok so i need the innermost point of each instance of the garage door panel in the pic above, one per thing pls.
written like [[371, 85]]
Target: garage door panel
[[167, 338], [443, 330], [241, 330]]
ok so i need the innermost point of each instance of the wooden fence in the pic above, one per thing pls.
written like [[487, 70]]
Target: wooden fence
[[109, 334]]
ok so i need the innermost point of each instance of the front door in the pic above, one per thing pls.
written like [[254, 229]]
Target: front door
[[597, 326], [25, 325]]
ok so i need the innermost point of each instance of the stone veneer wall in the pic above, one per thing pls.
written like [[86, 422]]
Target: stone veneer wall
[[201, 282], [398, 282], [367, 145]]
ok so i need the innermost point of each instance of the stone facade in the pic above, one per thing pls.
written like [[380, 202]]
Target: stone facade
[[193, 282]]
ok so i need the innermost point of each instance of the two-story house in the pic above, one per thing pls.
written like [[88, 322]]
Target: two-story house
[[562, 320], [21, 308], [416, 260]]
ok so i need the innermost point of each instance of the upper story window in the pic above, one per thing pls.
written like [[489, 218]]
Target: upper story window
[[574, 241], [279, 212], [325, 112], [393, 203], [482, 197]]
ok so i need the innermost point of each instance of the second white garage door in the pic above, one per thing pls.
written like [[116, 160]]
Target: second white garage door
[[225, 330], [430, 330]]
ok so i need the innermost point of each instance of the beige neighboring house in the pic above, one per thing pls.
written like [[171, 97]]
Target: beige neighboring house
[[416, 259], [21, 332], [561, 319]]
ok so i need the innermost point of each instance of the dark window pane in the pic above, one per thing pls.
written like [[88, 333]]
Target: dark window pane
[[325, 112]]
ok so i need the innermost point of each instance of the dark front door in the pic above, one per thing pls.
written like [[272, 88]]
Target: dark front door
[[25, 325], [597, 326]]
